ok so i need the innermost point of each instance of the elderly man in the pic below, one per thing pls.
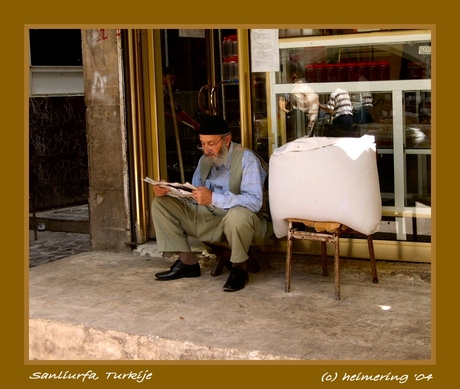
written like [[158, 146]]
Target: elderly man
[[304, 98], [229, 203]]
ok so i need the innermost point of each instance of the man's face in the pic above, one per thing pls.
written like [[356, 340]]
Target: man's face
[[215, 147]]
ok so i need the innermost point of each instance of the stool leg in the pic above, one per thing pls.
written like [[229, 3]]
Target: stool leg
[[324, 257], [337, 266], [218, 267], [287, 286], [222, 260], [253, 265], [370, 244]]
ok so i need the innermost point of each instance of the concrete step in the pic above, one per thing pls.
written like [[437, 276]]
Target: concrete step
[[109, 306]]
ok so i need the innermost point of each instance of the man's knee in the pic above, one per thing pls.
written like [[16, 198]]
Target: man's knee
[[238, 216], [163, 206], [156, 204], [162, 202], [240, 220]]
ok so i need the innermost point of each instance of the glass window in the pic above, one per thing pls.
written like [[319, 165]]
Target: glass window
[[261, 134], [385, 76], [355, 62], [418, 179], [289, 33]]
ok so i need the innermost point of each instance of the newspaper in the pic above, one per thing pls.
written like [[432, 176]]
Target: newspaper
[[177, 190]]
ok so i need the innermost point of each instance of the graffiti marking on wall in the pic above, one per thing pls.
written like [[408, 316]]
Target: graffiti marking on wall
[[98, 84], [102, 35]]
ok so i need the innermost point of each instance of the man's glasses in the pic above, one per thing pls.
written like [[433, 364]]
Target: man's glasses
[[210, 145]]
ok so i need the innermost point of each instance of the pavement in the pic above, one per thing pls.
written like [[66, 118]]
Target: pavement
[[54, 245], [86, 305], [59, 233]]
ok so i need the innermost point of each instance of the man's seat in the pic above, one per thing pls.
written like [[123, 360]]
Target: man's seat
[[223, 253]]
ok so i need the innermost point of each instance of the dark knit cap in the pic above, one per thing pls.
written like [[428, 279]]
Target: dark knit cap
[[214, 125]]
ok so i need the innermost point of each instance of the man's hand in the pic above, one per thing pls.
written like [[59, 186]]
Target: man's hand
[[202, 195], [160, 191]]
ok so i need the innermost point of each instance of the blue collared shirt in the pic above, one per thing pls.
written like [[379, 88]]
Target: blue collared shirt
[[252, 183]]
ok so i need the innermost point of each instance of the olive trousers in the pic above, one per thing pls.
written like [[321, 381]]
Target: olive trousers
[[175, 220]]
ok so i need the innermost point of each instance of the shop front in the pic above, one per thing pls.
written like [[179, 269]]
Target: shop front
[[387, 74]]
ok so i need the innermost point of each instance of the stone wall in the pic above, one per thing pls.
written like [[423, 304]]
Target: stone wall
[[108, 167]]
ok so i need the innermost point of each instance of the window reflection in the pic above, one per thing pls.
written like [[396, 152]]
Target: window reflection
[[371, 113], [417, 119]]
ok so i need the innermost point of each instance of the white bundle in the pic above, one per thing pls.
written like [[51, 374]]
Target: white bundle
[[326, 179]]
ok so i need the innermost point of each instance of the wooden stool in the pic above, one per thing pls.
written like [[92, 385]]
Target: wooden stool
[[324, 232], [223, 253]]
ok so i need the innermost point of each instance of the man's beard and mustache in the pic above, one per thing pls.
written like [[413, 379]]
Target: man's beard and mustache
[[219, 159]]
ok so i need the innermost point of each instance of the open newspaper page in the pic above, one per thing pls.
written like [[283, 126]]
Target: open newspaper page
[[177, 190]]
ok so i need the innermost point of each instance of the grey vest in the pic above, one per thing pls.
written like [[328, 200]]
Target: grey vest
[[236, 175]]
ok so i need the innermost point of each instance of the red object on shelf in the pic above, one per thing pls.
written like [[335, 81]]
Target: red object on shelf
[[320, 69], [342, 74], [373, 71], [363, 71], [416, 70], [310, 73], [384, 69], [331, 72], [352, 71]]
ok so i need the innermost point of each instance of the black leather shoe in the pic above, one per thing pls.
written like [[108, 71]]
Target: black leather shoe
[[236, 280], [179, 270]]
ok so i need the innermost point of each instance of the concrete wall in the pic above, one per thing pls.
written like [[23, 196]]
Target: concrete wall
[[108, 196]]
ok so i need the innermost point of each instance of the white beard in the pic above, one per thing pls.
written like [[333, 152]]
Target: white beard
[[220, 158]]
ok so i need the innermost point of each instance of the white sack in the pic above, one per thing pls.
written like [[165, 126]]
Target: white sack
[[326, 179]]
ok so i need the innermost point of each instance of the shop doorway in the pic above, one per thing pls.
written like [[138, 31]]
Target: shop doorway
[[195, 71], [200, 77]]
